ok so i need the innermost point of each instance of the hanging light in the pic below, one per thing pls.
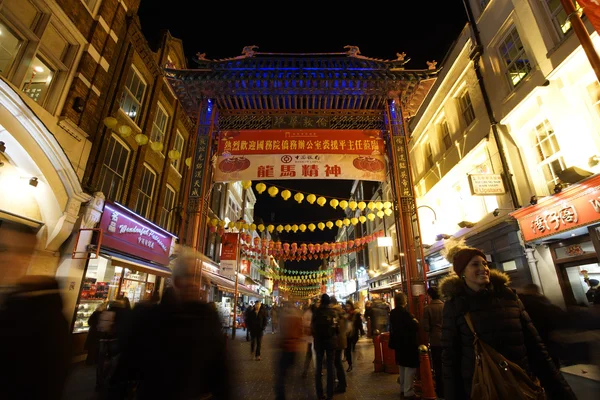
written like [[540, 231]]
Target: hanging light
[[141, 139], [354, 221], [231, 225], [173, 154], [222, 223], [388, 211], [329, 224], [311, 227], [246, 184], [261, 227], [156, 146], [352, 205], [343, 204], [302, 227], [321, 201], [379, 205], [294, 228], [321, 225], [273, 191], [260, 187], [362, 205], [124, 130], [387, 205], [299, 197], [334, 203], [371, 205], [252, 227], [287, 228], [380, 214], [371, 216], [271, 228], [188, 162], [280, 228], [362, 219], [339, 223], [110, 122], [311, 198], [286, 194], [346, 221], [214, 222]]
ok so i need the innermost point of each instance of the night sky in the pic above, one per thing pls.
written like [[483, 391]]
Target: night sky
[[425, 31]]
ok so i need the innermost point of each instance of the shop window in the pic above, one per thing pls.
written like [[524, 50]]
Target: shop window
[[114, 167], [178, 145], [466, 108], [547, 149], [159, 126], [513, 55], [9, 47], [166, 212], [559, 17], [133, 94], [38, 80], [145, 192]]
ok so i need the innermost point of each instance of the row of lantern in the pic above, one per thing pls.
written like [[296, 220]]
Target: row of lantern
[[312, 198], [252, 244], [304, 257], [141, 139], [265, 266]]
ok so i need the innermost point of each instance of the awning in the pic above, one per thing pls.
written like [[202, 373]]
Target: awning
[[156, 269], [441, 271], [386, 288], [227, 285]]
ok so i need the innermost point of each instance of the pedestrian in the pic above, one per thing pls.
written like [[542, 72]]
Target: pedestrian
[[290, 343], [325, 333], [432, 324], [247, 318], [369, 318], [498, 318], [403, 339], [355, 330], [92, 341], [35, 343], [340, 345], [258, 322], [274, 318], [193, 361], [306, 323]]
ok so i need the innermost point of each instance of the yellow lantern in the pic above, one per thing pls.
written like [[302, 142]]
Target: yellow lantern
[[188, 162], [352, 205], [245, 226], [222, 224], [311, 227], [239, 225], [273, 191], [302, 227], [287, 228], [371, 216], [387, 204], [260, 187], [156, 146], [329, 224], [371, 205], [271, 228], [343, 204], [388, 211], [334, 203], [311, 198], [294, 228], [362, 205], [362, 219], [252, 227], [174, 154], [124, 130], [214, 222], [231, 225], [354, 221], [321, 225], [346, 221], [261, 227], [141, 139], [379, 205], [299, 197], [321, 201], [339, 223], [110, 122], [286, 194], [279, 228], [246, 184], [380, 214]]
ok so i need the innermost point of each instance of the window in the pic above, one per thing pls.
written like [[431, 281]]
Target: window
[[145, 192], [445, 132], [178, 145], [38, 80], [548, 154], [166, 212], [512, 53], [159, 126], [9, 47], [133, 94], [561, 23], [114, 168], [233, 210], [466, 108], [428, 154]]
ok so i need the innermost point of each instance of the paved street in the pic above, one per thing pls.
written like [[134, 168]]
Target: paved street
[[254, 380]]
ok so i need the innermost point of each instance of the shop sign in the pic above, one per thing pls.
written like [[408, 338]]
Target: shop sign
[[362, 277], [486, 184], [351, 286], [245, 267], [339, 275], [300, 154], [128, 233], [560, 216], [229, 250]]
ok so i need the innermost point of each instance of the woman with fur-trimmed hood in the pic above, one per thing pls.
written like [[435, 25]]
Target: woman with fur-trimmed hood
[[500, 321]]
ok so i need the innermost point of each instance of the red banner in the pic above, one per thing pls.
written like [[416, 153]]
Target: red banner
[[229, 243], [245, 267], [129, 233], [591, 8], [339, 275]]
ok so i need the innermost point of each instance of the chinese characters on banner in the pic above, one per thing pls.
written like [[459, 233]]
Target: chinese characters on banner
[[300, 153], [198, 167], [402, 167], [228, 264], [339, 275]]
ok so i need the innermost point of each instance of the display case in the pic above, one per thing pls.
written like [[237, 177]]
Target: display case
[[84, 311]]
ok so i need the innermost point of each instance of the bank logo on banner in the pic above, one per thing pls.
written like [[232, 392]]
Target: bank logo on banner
[[228, 264], [300, 154]]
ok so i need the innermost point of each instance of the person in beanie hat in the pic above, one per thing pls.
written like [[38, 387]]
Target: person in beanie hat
[[500, 321]]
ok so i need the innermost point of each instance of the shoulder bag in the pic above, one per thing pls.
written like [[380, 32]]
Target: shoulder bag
[[497, 378]]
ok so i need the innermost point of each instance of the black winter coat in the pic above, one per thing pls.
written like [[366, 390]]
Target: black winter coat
[[257, 322], [501, 321], [403, 337]]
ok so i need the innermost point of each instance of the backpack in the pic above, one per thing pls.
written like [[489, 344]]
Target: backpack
[[325, 323]]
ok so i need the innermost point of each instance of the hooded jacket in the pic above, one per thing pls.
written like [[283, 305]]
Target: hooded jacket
[[500, 321]]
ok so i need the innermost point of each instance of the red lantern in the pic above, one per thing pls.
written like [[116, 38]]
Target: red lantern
[[338, 245], [212, 229], [286, 247], [350, 244], [344, 245], [278, 245], [303, 248], [265, 243], [311, 248], [221, 231], [294, 247], [256, 241], [317, 248], [326, 246]]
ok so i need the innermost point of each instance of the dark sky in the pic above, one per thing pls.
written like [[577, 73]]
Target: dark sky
[[425, 31]]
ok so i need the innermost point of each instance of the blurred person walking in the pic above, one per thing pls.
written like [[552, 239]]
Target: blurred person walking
[[308, 337], [432, 324], [257, 323], [369, 318], [290, 343], [325, 332], [354, 329], [403, 339], [35, 343], [247, 318], [274, 318], [340, 345], [498, 318], [193, 363]]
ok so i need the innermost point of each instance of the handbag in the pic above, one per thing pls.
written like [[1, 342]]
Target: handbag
[[497, 378]]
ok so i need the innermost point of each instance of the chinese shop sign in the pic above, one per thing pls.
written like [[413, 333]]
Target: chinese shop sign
[[198, 167], [339, 275], [229, 243], [300, 153], [570, 213], [129, 233]]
